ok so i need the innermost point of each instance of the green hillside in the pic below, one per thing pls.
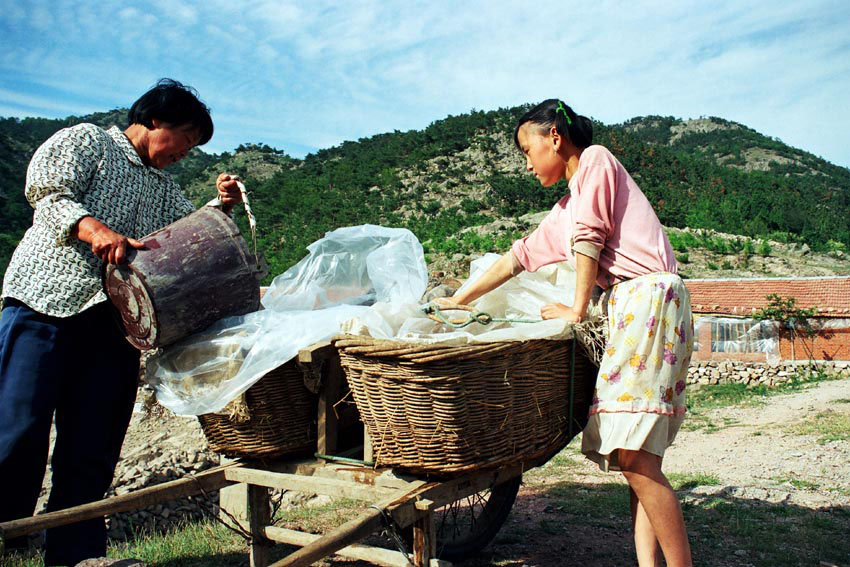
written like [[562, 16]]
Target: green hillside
[[463, 172]]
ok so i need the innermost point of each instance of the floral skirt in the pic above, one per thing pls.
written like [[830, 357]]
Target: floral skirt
[[639, 400]]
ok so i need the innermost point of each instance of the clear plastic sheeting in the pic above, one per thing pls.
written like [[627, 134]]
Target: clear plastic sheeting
[[731, 335], [344, 272], [829, 324], [357, 265], [519, 300]]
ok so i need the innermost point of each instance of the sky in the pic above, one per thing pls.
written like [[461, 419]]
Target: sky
[[301, 76]]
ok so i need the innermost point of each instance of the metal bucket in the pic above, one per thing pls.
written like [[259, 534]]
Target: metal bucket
[[190, 274]]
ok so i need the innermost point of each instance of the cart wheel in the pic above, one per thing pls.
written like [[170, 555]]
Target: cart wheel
[[465, 526]]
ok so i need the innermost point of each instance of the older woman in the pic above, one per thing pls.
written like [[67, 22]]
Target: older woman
[[94, 192]]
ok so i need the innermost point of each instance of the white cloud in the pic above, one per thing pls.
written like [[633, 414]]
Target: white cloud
[[16, 104], [323, 71]]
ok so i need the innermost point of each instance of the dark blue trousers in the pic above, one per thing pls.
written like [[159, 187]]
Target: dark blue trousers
[[83, 369]]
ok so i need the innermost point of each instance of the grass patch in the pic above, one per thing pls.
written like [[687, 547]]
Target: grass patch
[[567, 461], [710, 397], [828, 425], [718, 525], [796, 483], [604, 505], [723, 395], [769, 534], [680, 481], [203, 544], [703, 400], [210, 544]]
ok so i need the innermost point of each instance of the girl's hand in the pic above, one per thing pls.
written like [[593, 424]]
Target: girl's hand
[[228, 191], [559, 310]]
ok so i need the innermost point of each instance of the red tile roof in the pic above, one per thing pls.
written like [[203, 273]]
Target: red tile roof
[[831, 295]]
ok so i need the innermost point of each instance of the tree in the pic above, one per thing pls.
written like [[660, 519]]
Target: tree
[[794, 322]]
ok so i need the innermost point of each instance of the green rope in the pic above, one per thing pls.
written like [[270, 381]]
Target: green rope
[[336, 459], [572, 383], [472, 317]]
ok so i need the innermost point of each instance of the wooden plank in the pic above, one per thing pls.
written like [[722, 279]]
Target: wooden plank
[[424, 540], [328, 420], [205, 482], [339, 538], [316, 351], [374, 555], [368, 453], [233, 500], [362, 474], [259, 512], [312, 485], [403, 508], [323, 374]]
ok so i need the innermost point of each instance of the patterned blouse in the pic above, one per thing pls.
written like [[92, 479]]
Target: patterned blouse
[[84, 171]]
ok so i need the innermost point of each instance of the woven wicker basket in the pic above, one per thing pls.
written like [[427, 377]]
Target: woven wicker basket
[[281, 418], [442, 410]]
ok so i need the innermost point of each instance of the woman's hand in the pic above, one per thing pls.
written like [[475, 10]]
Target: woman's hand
[[445, 302], [228, 191], [559, 310], [106, 244]]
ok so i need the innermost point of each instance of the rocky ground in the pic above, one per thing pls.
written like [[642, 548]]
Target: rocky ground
[[159, 447]]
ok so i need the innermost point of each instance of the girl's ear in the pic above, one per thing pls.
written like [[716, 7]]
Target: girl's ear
[[156, 123], [556, 138]]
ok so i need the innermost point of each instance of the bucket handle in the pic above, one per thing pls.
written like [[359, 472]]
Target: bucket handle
[[252, 222]]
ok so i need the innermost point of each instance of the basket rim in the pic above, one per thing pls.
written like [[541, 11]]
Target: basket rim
[[364, 346]]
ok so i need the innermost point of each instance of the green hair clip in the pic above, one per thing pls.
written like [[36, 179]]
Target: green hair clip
[[564, 110]]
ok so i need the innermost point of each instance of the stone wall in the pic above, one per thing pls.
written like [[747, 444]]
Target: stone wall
[[759, 373]]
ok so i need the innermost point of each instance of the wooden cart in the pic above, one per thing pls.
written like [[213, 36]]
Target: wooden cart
[[448, 519]]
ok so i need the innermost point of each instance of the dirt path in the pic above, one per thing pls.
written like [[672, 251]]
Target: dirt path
[[761, 448]]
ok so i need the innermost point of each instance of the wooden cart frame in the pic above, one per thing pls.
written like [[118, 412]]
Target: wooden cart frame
[[396, 501]]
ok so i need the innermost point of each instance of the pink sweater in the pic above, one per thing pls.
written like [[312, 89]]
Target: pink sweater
[[605, 216]]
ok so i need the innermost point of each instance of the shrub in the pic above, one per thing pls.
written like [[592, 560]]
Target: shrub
[[677, 242], [470, 206], [430, 207], [718, 245]]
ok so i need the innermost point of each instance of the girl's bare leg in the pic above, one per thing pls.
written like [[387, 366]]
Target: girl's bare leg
[[646, 544], [660, 506]]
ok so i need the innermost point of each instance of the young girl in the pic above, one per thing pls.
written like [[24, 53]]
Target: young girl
[[607, 230]]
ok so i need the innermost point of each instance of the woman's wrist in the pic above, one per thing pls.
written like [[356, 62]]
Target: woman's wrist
[[580, 310], [460, 298]]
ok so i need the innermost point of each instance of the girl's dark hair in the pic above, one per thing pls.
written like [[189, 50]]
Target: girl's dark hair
[[175, 103], [552, 112]]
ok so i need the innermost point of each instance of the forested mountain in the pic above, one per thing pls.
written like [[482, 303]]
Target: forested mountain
[[461, 187]]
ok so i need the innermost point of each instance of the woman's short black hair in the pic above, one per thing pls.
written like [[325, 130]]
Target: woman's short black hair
[[552, 112], [175, 103]]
